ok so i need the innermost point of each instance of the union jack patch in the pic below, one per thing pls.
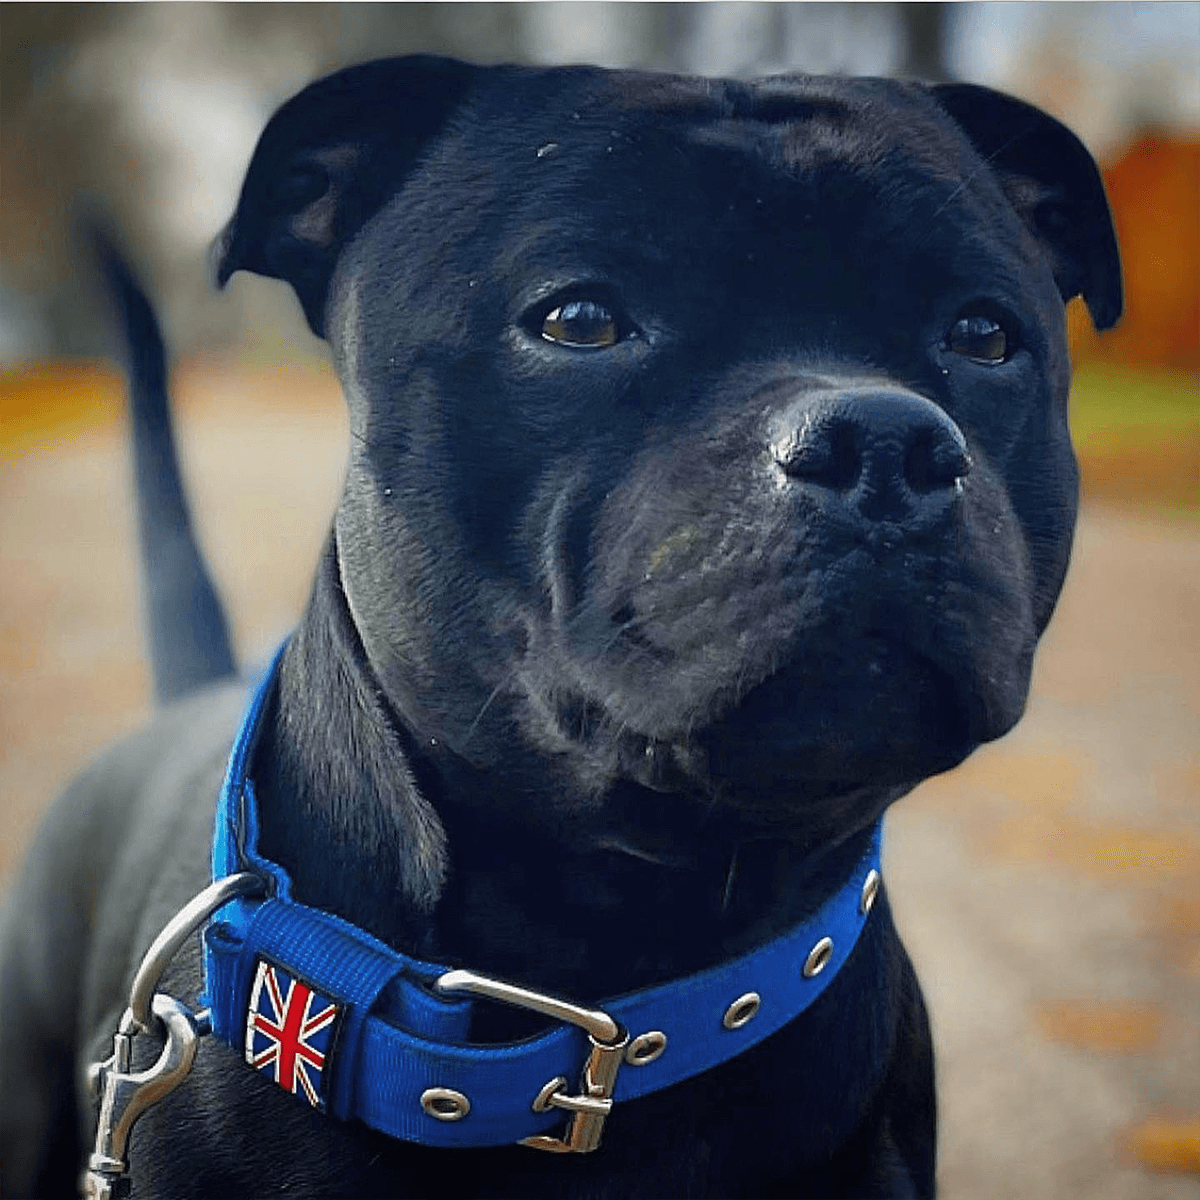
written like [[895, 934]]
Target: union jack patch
[[290, 1031]]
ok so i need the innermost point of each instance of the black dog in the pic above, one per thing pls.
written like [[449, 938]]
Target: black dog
[[710, 486]]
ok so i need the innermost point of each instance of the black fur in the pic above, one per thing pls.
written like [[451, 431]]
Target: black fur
[[614, 654], [179, 593]]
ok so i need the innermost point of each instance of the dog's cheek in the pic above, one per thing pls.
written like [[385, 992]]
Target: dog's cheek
[[383, 560], [1048, 504], [1048, 510], [410, 599], [1017, 428], [1032, 499], [989, 612]]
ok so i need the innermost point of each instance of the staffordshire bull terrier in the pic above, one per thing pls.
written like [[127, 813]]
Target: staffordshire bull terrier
[[709, 487]]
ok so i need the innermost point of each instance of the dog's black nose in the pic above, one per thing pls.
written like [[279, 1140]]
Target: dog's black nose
[[886, 455]]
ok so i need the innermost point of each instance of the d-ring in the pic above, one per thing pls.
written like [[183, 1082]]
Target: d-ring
[[177, 931]]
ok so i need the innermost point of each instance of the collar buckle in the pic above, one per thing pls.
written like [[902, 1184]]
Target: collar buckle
[[590, 1108]]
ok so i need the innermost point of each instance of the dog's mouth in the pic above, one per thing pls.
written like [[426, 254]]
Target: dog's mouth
[[824, 727], [586, 729]]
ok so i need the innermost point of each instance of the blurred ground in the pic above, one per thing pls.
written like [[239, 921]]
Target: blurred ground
[[1047, 889]]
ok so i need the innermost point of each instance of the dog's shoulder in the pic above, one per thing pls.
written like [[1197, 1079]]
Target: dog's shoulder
[[119, 849]]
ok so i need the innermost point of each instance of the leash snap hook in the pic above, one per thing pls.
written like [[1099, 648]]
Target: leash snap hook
[[590, 1108], [125, 1094]]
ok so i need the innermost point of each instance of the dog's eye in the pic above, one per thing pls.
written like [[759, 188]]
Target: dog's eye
[[584, 323], [979, 338]]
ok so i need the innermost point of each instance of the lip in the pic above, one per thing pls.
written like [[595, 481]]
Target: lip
[[793, 732], [661, 766]]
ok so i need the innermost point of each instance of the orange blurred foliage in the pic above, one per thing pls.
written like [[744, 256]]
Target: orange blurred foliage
[[1154, 188]]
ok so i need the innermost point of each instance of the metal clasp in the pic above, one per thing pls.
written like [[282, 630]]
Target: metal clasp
[[125, 1095], [608, 1038]]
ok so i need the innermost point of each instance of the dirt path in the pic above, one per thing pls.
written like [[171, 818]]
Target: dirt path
[[1047, 890]]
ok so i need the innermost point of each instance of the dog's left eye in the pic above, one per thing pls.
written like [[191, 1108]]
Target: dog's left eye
[[979, 338], [584, 323]]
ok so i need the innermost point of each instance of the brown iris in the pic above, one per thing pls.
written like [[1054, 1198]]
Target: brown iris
[[583, 323], [980, 339]]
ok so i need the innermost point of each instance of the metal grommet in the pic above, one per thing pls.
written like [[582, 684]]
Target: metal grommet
[[541, 1102], [741, 1011], [445, 1104], [818, 957], [869, 892], [645, 1048]]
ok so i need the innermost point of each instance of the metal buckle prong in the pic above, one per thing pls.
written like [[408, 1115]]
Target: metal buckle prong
[[608, 1040], [590, 1108]]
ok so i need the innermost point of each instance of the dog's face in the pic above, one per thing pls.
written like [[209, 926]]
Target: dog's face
[[709, 440]]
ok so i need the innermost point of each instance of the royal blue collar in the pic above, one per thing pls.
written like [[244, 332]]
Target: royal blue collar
[[365, 1032]]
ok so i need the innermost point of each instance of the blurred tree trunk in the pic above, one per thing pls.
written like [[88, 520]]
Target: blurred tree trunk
[[925, 33]]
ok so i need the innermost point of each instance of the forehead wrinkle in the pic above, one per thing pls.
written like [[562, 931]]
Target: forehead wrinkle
[[919, 178], [804, 140]]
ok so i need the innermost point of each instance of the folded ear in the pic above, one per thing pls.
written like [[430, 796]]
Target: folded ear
[[1053, 183], [327, 161]]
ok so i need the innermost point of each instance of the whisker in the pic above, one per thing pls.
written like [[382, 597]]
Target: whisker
[[488, 703], [969, 179]]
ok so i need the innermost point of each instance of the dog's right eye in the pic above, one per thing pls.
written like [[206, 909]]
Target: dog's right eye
[[587, 324], [979, 338]]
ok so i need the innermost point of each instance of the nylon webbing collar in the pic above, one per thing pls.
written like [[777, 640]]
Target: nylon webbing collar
[[358, 1030]]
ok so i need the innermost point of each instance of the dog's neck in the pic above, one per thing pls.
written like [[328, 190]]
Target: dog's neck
[[425, 854]]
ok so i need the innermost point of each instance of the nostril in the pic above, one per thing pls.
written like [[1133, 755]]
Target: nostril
[[936, 458], [845, 456], [826, 452]]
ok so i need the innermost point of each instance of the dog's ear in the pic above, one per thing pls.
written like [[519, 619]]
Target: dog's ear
[[327, 161], [1053, 183]]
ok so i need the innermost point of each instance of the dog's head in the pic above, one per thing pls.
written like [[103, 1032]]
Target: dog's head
[[709, 438]]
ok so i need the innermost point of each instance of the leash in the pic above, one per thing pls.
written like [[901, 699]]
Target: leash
[[364, 1032]]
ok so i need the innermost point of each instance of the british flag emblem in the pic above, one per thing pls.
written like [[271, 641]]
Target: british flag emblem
[[289, 1032]]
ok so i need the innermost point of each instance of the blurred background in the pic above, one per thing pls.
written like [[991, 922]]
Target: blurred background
[[1048, 888]]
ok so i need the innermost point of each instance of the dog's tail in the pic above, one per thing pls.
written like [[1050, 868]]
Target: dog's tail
[[189, 641]]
